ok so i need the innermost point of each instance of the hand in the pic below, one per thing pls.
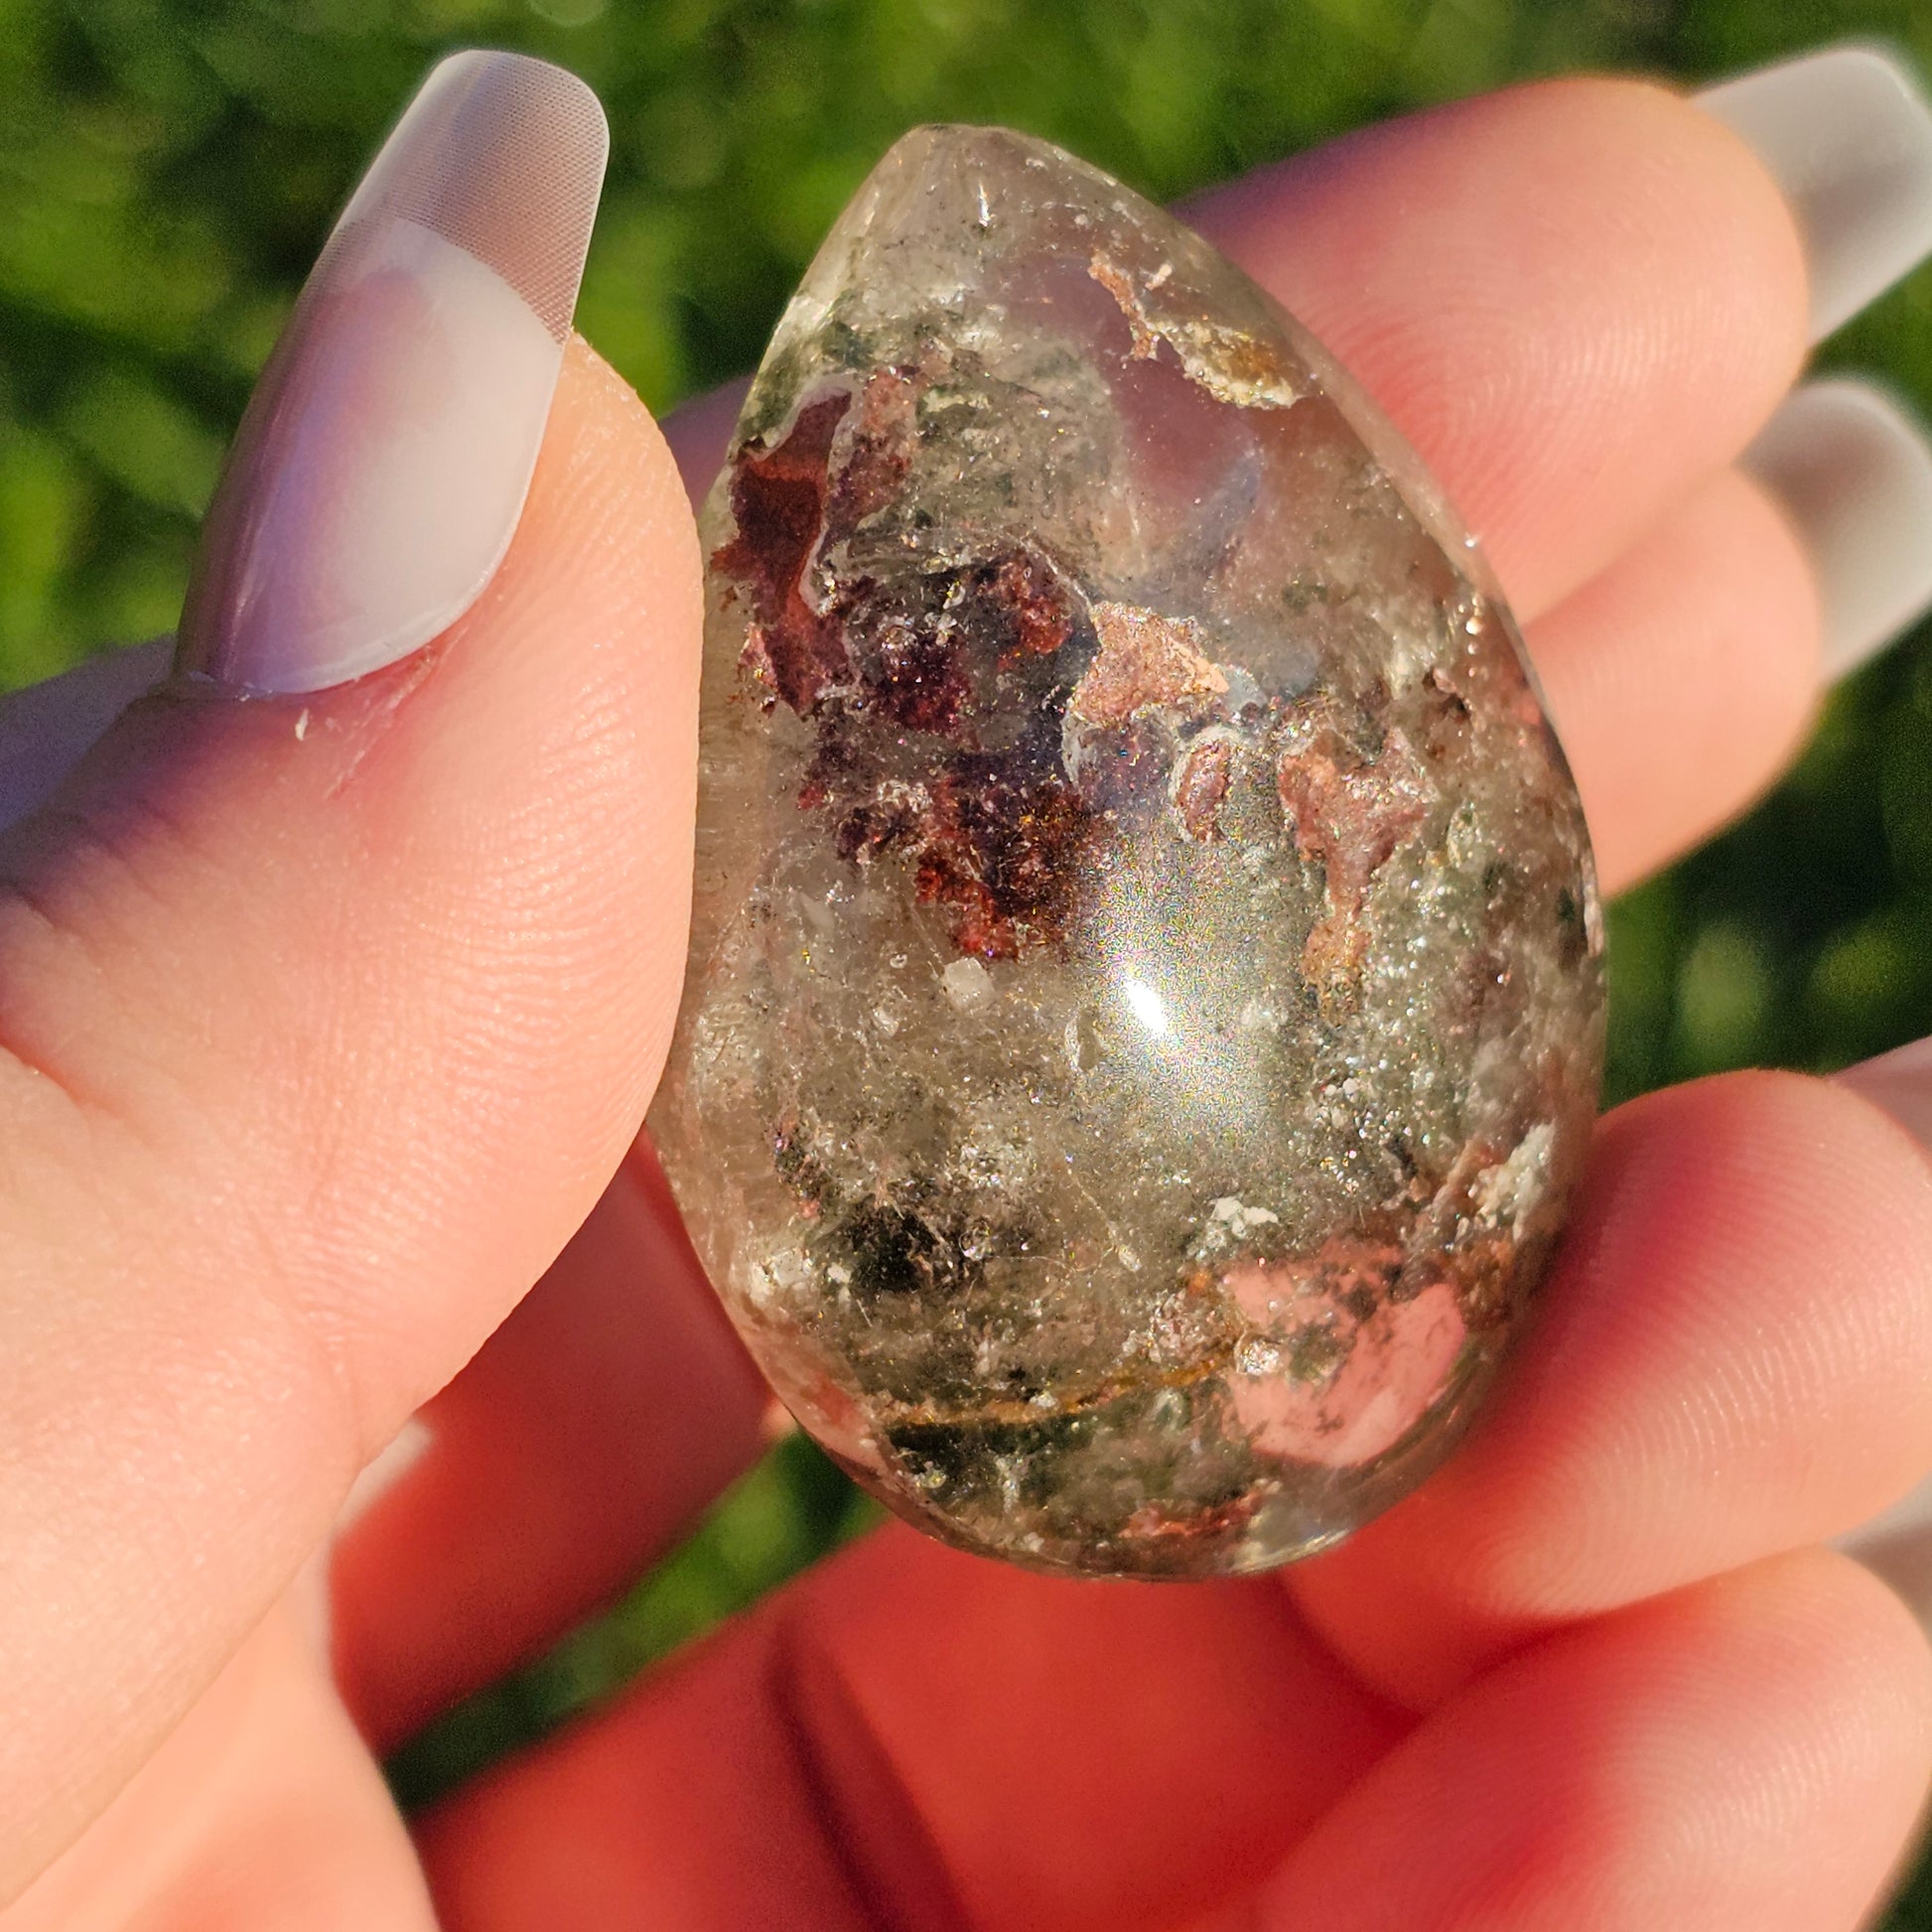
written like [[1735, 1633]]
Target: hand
[[329, 1016]]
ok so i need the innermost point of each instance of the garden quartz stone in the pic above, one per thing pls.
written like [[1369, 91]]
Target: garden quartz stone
[[1145, 1005]]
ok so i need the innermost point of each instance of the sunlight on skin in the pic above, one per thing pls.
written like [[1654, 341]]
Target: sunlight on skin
[[891, 1734]]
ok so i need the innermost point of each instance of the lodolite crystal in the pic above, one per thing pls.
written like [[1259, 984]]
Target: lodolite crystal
[[1145, 1005]]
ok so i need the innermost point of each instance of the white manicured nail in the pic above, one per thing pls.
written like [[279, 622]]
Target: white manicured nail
[[1847, 133], [1900, 1084], [381, 467], [1855, 472], [394, 1461], [1897, 1542]]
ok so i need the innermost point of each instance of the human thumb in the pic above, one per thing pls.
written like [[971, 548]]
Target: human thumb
[[335, 980]]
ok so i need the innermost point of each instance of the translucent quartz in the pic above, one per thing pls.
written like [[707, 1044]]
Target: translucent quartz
[[1145, 1006]]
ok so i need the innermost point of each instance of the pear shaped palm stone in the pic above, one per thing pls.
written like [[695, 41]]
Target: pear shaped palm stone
[[1145, 1006]]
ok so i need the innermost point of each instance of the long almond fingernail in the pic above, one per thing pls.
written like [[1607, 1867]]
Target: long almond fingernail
[[382, 463], [1848, 134], [1899, 1083], [1897, 1542], [1854, 473]]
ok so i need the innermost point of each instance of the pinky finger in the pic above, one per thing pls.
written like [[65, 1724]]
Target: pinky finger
[[1746, 1755]]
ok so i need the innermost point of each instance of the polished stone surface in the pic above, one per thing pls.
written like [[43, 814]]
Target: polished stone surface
[[1145, 1007]]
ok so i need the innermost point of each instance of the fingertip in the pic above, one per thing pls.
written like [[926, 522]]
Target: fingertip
[[1732, 1359], [612, 423], [1682, 677], [1736, 1351], [1751, 1750], [1572, 296]]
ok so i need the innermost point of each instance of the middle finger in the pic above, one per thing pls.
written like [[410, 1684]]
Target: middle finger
[[1574, 299]]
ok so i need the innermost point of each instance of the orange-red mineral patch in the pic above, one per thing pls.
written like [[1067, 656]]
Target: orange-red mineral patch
[[1357, 1370], [1144, 660], [1349, 812]]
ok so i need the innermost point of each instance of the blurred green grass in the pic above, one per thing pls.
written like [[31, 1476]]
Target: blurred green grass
[[167, 172]]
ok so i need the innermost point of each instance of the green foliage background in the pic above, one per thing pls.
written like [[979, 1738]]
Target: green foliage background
[[167, 172]]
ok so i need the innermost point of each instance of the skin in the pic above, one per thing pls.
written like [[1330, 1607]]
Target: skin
[[320, 1047]]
